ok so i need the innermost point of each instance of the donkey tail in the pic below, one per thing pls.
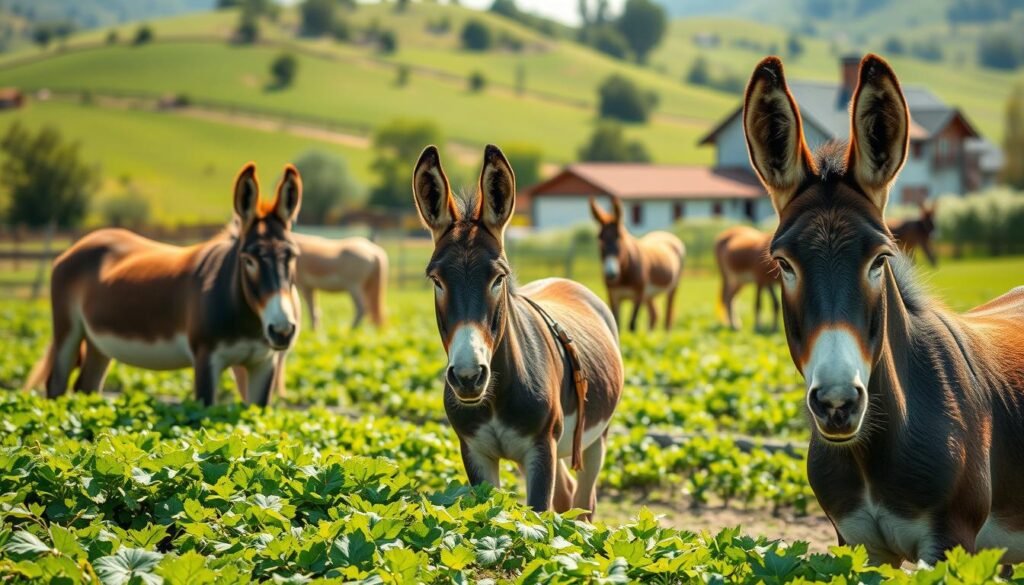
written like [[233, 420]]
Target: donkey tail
[[375, 289], [40, 372]]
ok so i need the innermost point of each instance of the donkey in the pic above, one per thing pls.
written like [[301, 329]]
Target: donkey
[[228, 302], [742, 255], [353, 265], [917, 233], [517, 386], [918, 413], [637, 269]]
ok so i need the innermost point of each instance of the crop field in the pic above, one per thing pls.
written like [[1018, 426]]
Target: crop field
[[354, 475]]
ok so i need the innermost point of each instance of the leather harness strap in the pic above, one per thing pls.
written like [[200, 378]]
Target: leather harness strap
[[578, 378]]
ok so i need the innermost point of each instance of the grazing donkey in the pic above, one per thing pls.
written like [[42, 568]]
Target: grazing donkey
[[353, 265], [534, 373], [912, 234], [742, 255], [637, 269], [223, 303], [918, 413]]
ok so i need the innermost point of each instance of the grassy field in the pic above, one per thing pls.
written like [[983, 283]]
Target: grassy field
[[184, 167]]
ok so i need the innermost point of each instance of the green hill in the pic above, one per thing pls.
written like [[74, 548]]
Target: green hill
[[543, 94]]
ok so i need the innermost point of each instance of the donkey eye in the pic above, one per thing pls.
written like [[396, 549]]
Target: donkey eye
[[878, 262], [498, 281], [438, 287], [251, 264], [784, 265]]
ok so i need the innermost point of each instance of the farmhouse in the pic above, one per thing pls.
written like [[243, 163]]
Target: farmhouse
[[11, 98], [947, 155], [653, 196]]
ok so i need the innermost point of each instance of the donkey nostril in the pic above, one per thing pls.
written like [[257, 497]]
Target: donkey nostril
[[481, 375]]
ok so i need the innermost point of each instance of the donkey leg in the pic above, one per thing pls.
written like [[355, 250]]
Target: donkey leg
[[775, 307], [636, 313], [93, 371], [586, 492], [207, 377], [359, 302], [729, 295], [565, 488], [757, 307], [652, 314], [670, 305], [541, 461], [241, 376], [261, 381], [479, 469], [67, 347], [309, 294]]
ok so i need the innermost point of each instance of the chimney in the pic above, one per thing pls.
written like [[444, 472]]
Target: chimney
[[849, 67]]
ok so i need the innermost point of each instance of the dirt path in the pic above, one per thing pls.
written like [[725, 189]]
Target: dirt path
[[815, 529]]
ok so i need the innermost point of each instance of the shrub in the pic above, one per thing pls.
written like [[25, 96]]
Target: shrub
[[317, 17], [284, 69], [894, 46], [387, 42], [143, 35], [248, 31], [112, 37], [621, 99], [988, 223], [608, 144], [476, 36], [327, 186], [341, 30], [526, 160], [395, 144], [610, 41], [402, 76], [129, 209], [1001, 49], [477, 81]]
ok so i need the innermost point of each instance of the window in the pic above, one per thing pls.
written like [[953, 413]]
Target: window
[[716, 209], [678, 211], [748, 209], [637, 213], [917, 148]]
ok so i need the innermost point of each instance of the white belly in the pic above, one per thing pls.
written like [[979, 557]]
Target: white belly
[[569, 427], [995, 534], [160, 354], [498, 441], [249, 351], [885, 534]]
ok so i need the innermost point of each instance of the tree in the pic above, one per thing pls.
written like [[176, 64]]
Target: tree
[[608, 144], [397, 144], [327, 186], [317, 17], [1013, 141], [477, 82], [894, 46], [643, 24], [42, 35], [45, 178], [621, 99], [283, 69], [1001, 50], [112, 37], [700, 73], [143, 35], [609, 41], [476, 36], [526, 160], [506, 8], [794, 46], [248, 31], [126, 209], [387, 42]]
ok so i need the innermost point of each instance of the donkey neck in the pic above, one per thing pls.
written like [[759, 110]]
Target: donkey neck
[[518, 360]]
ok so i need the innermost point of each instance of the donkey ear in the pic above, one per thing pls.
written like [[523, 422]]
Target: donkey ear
[[497, 191], [600, 215], [880, 130], [289, 195], [775, 135], [616, 209], [432, 193], [247, 193]]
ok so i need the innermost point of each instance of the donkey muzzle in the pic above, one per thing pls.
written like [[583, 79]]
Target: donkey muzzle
[[838, 410], [468, 383]]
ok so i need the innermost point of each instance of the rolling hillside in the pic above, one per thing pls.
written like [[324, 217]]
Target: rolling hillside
[[353, 88]]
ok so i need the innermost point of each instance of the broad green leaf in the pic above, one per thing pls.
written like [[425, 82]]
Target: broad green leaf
[[25, 543], [128, 564]]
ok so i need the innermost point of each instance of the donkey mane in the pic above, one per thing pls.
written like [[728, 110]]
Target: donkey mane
[[830, 158]]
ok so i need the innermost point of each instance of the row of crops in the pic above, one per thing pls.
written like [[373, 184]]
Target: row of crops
[[354, 475]]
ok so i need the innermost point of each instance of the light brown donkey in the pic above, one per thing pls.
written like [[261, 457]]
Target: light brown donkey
[[353, 265], [742, 255], [227, 302], [637, 269]]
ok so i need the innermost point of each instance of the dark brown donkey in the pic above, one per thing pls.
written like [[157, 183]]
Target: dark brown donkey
[[912, 234], [510, 389], [918, 413], [637, 269], [223, 303], [742, 255]]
